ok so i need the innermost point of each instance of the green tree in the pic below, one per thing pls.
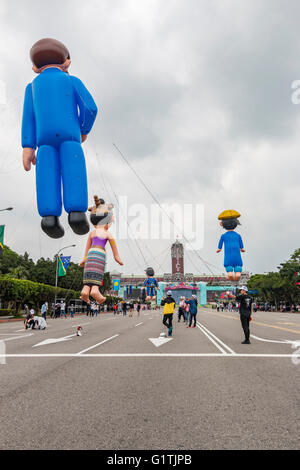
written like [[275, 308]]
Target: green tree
[[20, 272], [8, 260], [107, 283]]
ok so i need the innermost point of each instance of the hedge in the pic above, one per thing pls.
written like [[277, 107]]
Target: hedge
[[32, 293], [4, 312]]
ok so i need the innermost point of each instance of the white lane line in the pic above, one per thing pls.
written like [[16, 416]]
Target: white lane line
[[98, 344], [154, 355], [216, 338], [211, 339], [16, 337], [139, 324]]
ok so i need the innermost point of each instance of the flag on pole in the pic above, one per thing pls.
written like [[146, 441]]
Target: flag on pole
[[63, 264], [1, 238]]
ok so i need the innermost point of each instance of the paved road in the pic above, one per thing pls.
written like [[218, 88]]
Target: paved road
[[113, 388]]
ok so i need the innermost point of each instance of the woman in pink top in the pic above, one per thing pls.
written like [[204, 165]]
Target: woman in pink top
[[95, 255]]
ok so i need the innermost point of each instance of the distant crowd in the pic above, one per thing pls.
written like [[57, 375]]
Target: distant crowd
[[261, 307]]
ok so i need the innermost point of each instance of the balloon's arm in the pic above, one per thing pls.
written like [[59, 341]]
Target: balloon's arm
[[87, 107], [28, 128], [87, 247], [241, 244], [220, 246], [114, 249]]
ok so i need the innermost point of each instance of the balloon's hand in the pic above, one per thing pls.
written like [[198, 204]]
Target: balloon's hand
[[83, 137], [28, 158], [82, 263], [118, 260], [218, 251], [243, 250]]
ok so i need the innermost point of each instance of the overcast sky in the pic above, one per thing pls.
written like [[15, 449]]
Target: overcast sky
[[196, 94]]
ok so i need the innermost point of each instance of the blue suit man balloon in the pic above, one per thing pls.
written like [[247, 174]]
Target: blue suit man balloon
[[150, 285], [233, 244], [58, 114]]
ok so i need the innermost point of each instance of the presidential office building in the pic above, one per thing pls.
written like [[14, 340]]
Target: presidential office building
[[207, 288]]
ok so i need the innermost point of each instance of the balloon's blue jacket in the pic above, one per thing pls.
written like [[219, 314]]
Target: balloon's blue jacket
[[233, 244], [58, 109], [151, 283]]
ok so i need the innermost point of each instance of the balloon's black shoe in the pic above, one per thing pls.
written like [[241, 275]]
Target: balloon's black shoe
[[247, 341], [79, 223], [51, 226]]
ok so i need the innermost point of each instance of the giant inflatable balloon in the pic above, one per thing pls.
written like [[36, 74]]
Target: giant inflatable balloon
[[233, 244], [95, 255], [58, 114], [150, 284]]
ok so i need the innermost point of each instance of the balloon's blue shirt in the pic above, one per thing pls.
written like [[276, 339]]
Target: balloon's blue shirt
[[58, 109], [233, 244]]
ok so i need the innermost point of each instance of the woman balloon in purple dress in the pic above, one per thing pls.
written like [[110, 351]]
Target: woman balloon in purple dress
[[95, 255]]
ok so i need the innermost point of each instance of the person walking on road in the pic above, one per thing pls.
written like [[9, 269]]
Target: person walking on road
[[57, 310], [245, 312], [72, 311], [181, 310], [186, 309], [130, 309], [169, 306], [138, 308], [44, 309], [63, 309], [124, 308], [97, 309], [193, 310]]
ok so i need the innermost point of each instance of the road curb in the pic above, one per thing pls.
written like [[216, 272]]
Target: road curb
[[10, 320]]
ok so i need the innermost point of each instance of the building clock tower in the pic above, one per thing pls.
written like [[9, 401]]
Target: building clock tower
[[177, 256]]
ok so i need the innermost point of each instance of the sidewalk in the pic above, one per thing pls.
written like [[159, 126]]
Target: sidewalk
[[8, 319]]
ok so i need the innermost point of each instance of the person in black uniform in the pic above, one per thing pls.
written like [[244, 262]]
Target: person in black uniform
[[245, 302]]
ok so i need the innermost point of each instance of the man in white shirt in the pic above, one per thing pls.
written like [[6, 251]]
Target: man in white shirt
[[63, 309]]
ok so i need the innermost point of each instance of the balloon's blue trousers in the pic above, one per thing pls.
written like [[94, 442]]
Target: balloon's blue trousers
[[61, 170]]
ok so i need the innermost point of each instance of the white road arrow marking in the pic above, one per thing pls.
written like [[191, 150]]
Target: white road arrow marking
[[159, 341], [53, 340], [273, 340]]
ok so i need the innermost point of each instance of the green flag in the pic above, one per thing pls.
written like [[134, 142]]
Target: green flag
[[1, 238], [63, 264]]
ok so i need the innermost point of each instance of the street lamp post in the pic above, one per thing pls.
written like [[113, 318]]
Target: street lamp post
[[56, 271]]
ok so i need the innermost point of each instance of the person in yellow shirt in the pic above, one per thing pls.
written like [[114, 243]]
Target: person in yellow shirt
[[169, 306]]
